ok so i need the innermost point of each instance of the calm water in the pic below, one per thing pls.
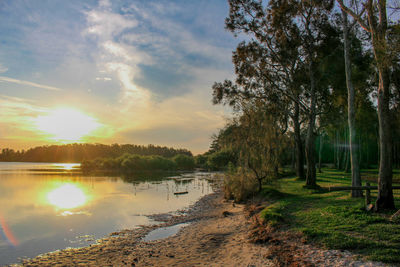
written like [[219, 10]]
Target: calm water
[[45, 207]]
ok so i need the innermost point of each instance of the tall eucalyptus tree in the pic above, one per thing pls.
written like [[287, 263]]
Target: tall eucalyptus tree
[[374, 20], [279, 64]]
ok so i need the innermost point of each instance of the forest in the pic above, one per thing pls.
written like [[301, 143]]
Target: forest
[[81, 152], [316, 84]]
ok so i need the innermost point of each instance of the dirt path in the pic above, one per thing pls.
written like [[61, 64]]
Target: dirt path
[[217, 236]]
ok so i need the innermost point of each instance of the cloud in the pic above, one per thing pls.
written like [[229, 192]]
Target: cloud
[[138, 66], [27, 83], [103, 79], [105, 24], [3, 68], [165, 72]]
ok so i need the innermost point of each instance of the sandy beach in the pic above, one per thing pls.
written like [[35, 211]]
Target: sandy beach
[[218, 234]]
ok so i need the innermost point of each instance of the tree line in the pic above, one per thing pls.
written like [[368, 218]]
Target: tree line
[[133, 163], [316, 82], [81, 152]]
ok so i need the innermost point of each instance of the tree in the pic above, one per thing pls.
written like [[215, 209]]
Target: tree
[[258, 137], [355, 168], [373, 19], [287, 40]]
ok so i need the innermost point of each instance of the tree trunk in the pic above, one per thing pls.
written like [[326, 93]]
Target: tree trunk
[[293, 160], [337, 151], [378, 34], [320, 153], [347, 166], [344, 149], [355, 168], [259, 184], [311, 179], [334, 151], [299, 143], [385, 192], [360, 151]]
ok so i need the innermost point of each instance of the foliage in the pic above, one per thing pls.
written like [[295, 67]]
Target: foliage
[[219, 160], [132, 162], [81, 152], [201, 161], [239, 185], [184, 162]]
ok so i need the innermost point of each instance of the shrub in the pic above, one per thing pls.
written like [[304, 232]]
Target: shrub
[[184, 162], [239, 186], [201, 161]]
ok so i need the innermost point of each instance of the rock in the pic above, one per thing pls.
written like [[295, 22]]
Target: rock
[[369, 207], [226, 213]]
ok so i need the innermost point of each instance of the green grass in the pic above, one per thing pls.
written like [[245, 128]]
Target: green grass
[[333, 219]]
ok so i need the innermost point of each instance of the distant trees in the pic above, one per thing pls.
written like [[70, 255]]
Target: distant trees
[[133, 163], [81, 152]]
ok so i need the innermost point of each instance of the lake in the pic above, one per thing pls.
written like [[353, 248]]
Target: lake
[[48, 206]]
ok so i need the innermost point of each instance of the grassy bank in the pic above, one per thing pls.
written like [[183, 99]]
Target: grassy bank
[[333, 219]]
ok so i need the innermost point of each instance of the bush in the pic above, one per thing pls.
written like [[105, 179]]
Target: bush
[[160, 163], [129, 162], [184, 162], [201, 161], [239, 186]]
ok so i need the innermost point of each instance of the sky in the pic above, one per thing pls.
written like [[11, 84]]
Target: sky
[[123, 71]]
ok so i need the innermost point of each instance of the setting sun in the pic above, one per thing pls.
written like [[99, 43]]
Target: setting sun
[[67, 196], [66, 124]]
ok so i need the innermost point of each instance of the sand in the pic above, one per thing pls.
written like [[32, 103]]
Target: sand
[[218, 235]]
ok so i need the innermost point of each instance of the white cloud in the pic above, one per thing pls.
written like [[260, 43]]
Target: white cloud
[[106, 24], [124, 45], [3, 68], [27, 83]]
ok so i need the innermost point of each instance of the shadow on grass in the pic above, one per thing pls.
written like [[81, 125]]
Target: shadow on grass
[[334, 219]]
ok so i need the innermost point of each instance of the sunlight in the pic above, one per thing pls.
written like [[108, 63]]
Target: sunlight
[[66, 124], [67, 196], [67, 166]]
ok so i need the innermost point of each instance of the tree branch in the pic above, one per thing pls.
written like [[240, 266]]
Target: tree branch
[[354, 15]]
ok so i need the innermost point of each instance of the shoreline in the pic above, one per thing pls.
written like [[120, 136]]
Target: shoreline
[[123, 239], [218, 235]]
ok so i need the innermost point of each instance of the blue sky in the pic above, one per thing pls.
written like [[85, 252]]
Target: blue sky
[[142, 69]]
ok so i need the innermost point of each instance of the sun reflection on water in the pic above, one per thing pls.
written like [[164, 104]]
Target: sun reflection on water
[[66, 166], [67, 196]]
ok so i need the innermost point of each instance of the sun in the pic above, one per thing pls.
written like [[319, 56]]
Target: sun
[[67, 196], [66, 124]]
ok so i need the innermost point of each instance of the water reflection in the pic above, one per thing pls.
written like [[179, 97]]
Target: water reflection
[[67, 196], [66, 166], [43, 212]]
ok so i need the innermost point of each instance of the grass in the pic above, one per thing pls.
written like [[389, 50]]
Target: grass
[[333, 219]]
